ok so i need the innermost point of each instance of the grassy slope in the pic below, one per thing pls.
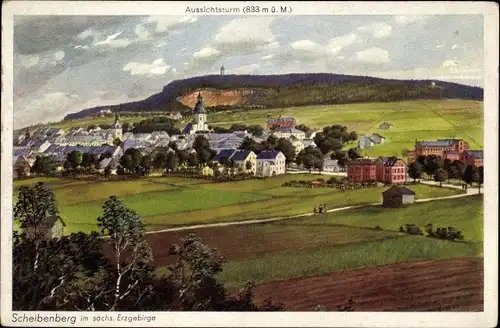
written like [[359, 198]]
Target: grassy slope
[[465, 214], [166, 202], [421, 119]]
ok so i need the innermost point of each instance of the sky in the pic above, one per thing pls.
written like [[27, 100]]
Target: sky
[[63, 64]]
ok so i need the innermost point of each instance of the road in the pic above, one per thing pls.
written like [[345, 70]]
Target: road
[[470, 192]]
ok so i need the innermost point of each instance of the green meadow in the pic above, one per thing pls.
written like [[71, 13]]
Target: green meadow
[[169, 201], [418, 119], [347, 240]]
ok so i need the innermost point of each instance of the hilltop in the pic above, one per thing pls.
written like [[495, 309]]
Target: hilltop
[[223, 92]]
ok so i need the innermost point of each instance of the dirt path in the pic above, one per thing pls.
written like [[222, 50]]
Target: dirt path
[[440, 285], [225, 224]]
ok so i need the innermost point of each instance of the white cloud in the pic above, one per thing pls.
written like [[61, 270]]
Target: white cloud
[[268, 57], [377, 30], [58, 55], [254, 30], [373, 56], [440, 46], [88, 33], [157, 67], [455, 46], [307, 45], [408, 19], [337, 44], [29, 60], [113, 42], [206, 53], [161, 44]]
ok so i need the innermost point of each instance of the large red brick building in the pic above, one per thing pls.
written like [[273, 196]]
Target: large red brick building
[[390, 170], [451, 149], [472, 157], [280, 122]]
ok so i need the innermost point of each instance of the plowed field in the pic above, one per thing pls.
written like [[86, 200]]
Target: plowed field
[[441, 285]]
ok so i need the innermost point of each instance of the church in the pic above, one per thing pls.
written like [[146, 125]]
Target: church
[[199, 123]]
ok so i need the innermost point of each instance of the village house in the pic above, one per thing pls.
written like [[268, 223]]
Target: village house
[[287, 132], [332, 165], [36, 145], [389, 170], [385, 126], [280, 122], [472, 157], [308, 142], [437, 148], [242, 157], [297, 144], [51, 227], [397, 196], [270, 163], [141, 145], [175, 116], [22, 168], [365, 142], [377, 139]]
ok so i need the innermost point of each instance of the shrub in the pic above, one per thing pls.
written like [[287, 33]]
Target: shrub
[[413, 229]]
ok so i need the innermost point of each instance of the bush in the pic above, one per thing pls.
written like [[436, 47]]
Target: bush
[[413, 229], [378, 228]]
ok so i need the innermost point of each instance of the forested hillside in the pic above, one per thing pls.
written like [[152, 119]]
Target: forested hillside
[[274, 91]]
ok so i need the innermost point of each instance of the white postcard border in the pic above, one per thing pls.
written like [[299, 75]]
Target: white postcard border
[[488, 318]]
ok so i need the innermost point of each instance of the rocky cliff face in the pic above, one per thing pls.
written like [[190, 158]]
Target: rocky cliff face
[[214, 97]]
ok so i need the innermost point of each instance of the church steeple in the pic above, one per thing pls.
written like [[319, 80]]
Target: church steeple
[[117, 123]]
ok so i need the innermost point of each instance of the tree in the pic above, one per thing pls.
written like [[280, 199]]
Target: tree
[[34, 204], [200, 142], [302, 127], [107, 171], [432, 163], [117, 142], [173, 145], [126, 127], [193, 159], [480, 180], [460, 169], [353, 153], [131, 160], [255, 130], [183, 156], [43, 165], [415, 171], [132, 255], [286, 147], [205, 155], [248, 165], [160, 160], [340, 156], [74, 159], [471, 175], [325, 146], [65, 276], [440, 175], [172, 161], [86, 160], [91, 127]]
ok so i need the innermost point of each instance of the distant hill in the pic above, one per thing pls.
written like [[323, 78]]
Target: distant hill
[[278, 91]]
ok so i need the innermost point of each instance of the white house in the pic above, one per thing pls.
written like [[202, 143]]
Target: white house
[[270, 163], [332, 165], [365, 142], [377, 139], [297, 144], [287, 132]]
